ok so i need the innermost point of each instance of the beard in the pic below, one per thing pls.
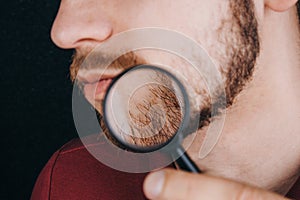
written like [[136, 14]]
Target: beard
[[154, 116], [239, 37]]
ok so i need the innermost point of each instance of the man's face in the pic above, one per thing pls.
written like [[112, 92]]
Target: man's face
[[227, 30]]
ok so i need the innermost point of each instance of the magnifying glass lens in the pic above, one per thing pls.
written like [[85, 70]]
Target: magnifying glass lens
[[147, 108], [144, 108]]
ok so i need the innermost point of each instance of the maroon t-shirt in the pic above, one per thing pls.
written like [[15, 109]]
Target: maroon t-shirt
[[73, 173]]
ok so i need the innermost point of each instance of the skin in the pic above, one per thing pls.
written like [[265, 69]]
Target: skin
[[259, 145]]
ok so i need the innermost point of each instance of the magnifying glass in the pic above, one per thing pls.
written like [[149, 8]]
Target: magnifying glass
[[146, 108]]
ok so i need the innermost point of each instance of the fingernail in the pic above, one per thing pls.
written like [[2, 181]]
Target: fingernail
[[154, 184]]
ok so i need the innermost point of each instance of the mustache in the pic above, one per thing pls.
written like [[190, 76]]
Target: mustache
[[90, 62]]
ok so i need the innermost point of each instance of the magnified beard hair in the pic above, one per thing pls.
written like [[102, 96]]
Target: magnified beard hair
[[155, 115]]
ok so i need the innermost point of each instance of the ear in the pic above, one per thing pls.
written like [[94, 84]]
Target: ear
[[280, 5]]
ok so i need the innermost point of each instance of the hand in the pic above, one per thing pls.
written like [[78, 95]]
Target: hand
[[177, 185]]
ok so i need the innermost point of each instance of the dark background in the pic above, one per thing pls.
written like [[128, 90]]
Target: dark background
[[37, 98]]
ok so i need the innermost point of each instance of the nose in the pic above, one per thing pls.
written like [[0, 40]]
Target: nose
[[80, 23]]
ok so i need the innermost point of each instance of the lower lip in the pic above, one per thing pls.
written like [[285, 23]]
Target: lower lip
[[101, 88], [96, 91]]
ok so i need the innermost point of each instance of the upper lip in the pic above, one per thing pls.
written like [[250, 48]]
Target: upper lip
[[91, 78]]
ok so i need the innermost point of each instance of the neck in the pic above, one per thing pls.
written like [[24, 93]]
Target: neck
[[270, 103], [261, 132]]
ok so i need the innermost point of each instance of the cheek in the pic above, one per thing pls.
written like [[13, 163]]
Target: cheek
[[187, 17], [191, 77]]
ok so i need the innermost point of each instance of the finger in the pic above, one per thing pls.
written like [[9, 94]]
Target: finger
[[173, 184]]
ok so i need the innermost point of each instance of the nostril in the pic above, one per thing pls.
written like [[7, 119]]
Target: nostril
[[94, 34]]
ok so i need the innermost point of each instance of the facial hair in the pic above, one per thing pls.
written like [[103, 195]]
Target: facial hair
[[242, 48]]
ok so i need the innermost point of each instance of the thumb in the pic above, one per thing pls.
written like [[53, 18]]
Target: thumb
[[173, 184]]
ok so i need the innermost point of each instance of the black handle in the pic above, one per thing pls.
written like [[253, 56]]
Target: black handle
[[185, 163]]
